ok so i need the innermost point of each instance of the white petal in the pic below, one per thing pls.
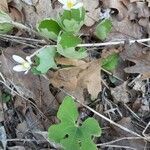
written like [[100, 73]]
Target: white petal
[[26, 72], [63, 1], [65, 7], [78, 5], [74, 1], [18, 59], [28, 58], [19, 68]]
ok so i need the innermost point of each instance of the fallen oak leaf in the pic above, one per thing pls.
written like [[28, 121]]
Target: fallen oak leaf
[[75, 79], [140, 57]]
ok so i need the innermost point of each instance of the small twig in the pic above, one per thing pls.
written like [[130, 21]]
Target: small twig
[[23, 38], [18, 41], [143, 133], [120, 146], [118, 140], [132, 112], [111, 74], [23, 27], [112, 43]]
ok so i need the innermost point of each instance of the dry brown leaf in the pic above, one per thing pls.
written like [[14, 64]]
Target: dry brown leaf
[[119, 5], [68, 61], [93, 12], [4, 5], [141, 58], [148, 1], [143, 10], [30, 86], [125, 29], [126, 122], [75, 79], [36, 12], [120, 93], [16, 14]]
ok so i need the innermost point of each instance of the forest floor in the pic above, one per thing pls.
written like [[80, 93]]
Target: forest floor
[[118, 98]]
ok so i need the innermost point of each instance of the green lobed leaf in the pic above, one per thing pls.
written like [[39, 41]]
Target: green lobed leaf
[[72, 20], [88, 144], [66, 114], [68, 40], [5, 23], [49, 28], [71, 26], [46, 59], [103, 29], [66, 46], [71, 135], [110, 63], [88, 125]]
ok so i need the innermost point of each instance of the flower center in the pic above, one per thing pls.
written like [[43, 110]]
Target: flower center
[[26, 65], [70, 4]]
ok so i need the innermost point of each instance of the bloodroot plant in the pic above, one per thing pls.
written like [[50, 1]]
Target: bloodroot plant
[[70, 133], [64, 30]]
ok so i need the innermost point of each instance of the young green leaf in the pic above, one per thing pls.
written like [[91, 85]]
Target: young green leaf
[[71, 135], [110, 63], [72, 20], [103, 29], [66, 46], [49, 28], [46, 59], [5, 23]]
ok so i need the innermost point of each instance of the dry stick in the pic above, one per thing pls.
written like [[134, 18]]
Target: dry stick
[[23, 38], [112, 43], [18, 41], [118, 140], [119, 146], [112, 74], [23, 27]]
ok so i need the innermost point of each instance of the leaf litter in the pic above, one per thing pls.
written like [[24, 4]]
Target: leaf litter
[[84, 79]]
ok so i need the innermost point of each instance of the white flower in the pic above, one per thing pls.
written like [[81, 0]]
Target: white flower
[[24, 65], [70, 4]]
